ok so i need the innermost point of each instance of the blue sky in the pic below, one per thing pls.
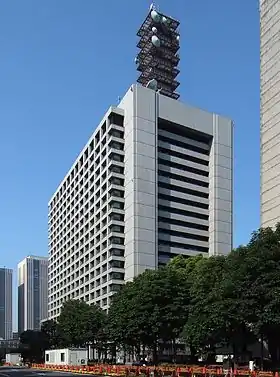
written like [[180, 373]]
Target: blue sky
[[62, 63]]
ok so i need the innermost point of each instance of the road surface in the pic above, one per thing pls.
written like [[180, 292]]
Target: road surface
[[27, 372]]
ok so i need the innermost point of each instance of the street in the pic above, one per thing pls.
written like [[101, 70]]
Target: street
[[26, 372]]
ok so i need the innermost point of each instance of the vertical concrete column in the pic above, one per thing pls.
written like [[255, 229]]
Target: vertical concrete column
[[221, 187], [128, 105], [146, 179], [140, 181]]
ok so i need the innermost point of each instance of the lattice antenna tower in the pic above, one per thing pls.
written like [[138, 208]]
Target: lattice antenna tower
[[158, 58]]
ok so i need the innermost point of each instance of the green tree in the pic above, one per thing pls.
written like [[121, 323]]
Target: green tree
[[122, 328], [151, 308], [234, 306], [257, 274], [80, 322], [235, 299], [97, 325], [203, 325], [32, 345], [3, 352], [186, 265], [53, 334], [186, 268], [216, 316], [101, 340]]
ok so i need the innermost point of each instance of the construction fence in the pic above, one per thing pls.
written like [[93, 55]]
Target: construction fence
[[161, 371]]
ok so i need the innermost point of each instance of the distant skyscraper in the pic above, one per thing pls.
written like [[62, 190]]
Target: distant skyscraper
[[270, 112], [6, 284], [32, 292]]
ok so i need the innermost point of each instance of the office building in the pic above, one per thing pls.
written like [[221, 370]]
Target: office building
[[153, 181], [15, 335], [270, 112], [32, 292], [6, 316]]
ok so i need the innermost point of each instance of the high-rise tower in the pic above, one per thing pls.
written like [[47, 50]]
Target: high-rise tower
[[32, 292], [153, 181], [6, 288], [270, 112]]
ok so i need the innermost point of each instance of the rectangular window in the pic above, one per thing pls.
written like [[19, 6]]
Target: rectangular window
[[62, 357]]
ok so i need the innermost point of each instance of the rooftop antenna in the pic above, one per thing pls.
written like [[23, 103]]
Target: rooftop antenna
[[158, 58], [155, 7]]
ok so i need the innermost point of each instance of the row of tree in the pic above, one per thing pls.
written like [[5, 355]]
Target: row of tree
[[231, 301]]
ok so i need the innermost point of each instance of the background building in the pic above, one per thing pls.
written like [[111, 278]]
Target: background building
[[6, 315], [154, 181], [32, 292], [270, 112]]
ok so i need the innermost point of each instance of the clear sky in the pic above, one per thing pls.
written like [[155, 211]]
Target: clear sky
[[63, 63]]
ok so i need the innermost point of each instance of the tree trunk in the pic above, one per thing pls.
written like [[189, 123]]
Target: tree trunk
[[262, 340], [155, 353], [137, 351], [211, 357], [174, 351], [194, 358], [234, 353]]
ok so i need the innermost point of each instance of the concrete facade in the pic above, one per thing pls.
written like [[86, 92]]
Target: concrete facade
[[158, 170], [154, 181], [6, 313], [32, 293], [270, 112]]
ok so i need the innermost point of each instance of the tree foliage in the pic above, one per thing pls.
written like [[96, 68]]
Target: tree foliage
[[32, 345], [80, 322], [229, 301], [152, 308], [257, 276], [54, 334], [216, 314], [222, 301]]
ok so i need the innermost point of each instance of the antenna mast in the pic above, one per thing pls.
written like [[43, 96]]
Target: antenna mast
[[158, 58]]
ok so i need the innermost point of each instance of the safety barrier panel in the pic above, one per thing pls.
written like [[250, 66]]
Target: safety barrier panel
[[161, 371]]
